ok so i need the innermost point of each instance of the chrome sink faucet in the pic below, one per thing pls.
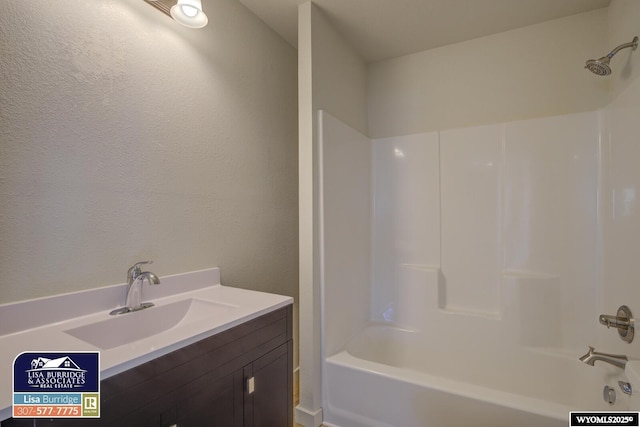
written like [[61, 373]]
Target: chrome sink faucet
[[135, 278], [592, 357]]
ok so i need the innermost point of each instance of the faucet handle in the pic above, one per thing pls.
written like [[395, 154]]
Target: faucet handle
[[623, 321], [135, 270]]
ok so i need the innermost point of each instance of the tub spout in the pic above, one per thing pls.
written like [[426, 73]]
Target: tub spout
[[592, 356]]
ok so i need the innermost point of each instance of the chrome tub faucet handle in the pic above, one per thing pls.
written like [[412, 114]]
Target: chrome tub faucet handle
[[623, 321]]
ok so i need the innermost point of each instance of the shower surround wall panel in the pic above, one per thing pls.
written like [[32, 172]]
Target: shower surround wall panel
[[470, 194], [551, 220], [346, 199], [483, 239], [406, 225], [467, 216], [621, 217]]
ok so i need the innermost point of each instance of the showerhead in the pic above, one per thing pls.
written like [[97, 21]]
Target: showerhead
[[601, 66]]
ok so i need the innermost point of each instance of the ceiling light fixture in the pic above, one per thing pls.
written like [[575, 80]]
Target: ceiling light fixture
[[186, 12]]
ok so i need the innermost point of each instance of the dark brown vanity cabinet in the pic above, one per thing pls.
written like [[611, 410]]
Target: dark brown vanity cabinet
[[242, 377]]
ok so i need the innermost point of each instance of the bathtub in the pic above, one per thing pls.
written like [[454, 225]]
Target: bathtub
[[388, 376]]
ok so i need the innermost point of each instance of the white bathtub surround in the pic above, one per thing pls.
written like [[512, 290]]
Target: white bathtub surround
[[621, 217], [406, 174], [473, 212], [470, 201], [346, 189], [49, 318], [485, 273]]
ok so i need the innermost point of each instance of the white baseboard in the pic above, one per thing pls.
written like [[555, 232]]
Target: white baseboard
[[308, 418]]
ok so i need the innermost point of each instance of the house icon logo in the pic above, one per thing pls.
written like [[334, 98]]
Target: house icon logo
[[59, 372], [61, 363]]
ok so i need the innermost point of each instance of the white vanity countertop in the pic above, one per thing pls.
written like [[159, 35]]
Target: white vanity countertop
[[48, 318]]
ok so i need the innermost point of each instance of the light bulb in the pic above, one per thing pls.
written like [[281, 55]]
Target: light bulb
[[189, 13], [188, 10]]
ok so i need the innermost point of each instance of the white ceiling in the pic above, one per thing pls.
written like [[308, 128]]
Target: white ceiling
[[381, 29]]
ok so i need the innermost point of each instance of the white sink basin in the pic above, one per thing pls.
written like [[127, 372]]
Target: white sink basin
[[130, 327]]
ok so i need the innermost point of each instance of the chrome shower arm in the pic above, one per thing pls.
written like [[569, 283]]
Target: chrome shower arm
[[632, 44], [601, 66]]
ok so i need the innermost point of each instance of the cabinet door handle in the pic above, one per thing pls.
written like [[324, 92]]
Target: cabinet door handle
[[251, 385]]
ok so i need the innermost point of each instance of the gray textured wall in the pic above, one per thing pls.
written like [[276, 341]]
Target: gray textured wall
[[124, 136]]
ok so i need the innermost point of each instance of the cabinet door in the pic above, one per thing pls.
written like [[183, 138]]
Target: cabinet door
[[271, 402], [210, 401]]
